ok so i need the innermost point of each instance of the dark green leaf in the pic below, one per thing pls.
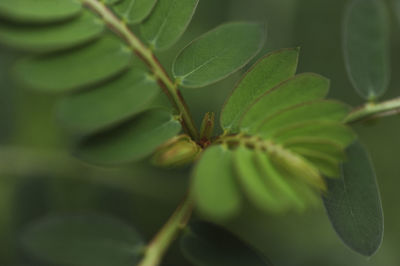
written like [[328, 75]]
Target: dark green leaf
[[167, 22], [268, 72], [111, 103], [206, 244], [214, 186], [366, 47], [353, 203], [134, 11], [34, 11], [52, 37], [218, 53], [87, 66], [299, 89], [132, 141], [88, 240]]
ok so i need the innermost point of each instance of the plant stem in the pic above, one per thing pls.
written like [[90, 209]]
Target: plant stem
[[161, 242], [169, 87], [374, 110]]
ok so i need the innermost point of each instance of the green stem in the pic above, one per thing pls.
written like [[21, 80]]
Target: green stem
[[161, 242], [374, 110], [168, 86]]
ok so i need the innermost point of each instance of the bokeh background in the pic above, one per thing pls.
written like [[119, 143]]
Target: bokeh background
[[38, 176]]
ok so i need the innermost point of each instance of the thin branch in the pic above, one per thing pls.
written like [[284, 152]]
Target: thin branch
[[374, 110], [144, 53]]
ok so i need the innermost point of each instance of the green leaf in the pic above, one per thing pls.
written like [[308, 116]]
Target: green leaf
[[333, 131], [89, 240], [366, 47], [325, 110], [131, 141], [167, 22], [218, 53], [327, 165], [75, 69], [303, 145], [43, 11], [134, 11], [353, 203], [111, 2], [206, 244], [252, 182], [52, 37], [108, 104], [214, 186], [267, 73], [299, 89]]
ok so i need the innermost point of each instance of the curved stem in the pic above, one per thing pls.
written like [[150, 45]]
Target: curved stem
[[161, 242], [374, 110], [169, 87]]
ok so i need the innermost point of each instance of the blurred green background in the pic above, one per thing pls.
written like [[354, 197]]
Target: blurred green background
[[39, 177]]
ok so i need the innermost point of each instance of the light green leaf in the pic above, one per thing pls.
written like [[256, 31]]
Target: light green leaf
[[252, 182], [134, 11], [303, 145], [52, 37], [366, 47], [267, 73], [75, 69], [214, 186], [43, 11], [299, 89], [323, 110], [327, 165], [111, 2], [167, 22], [89, 240], [337, 132], [353, 203], [218, 53], [108, 104], [206, 244], [132, 141]]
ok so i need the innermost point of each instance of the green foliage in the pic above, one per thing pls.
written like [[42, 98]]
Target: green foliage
[[206, 244], [167, 22], [210, 57], [353, 203], [134, 11], [89, 240], [366, 47]]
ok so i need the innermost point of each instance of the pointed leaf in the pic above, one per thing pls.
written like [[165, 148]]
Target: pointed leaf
[[252, 182], [353, 203], [43, 11], [325, 110], [108, 104], [206, 244], [167, 22], [305, 144], [52, 37], [214, 186], [267, 73], [218, 53], [366, 47], [75, 69], [89, 240], [132, 141], [134, 11], [299, 89]]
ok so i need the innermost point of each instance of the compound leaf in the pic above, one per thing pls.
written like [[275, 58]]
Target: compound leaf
[[353, 203], [89, 240], [206, 244], [214, 184], [75, 69], [43, 11], [52, 37], [167, 22], [134, 11], [366, 47], [267, 73], [218, 53], [131, 141], [108, 104]]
